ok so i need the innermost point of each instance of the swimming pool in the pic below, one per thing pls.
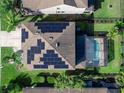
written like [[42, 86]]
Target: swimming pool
[[96, 50]]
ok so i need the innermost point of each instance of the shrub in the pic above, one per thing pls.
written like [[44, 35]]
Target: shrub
[[50, 80], [38, 79]]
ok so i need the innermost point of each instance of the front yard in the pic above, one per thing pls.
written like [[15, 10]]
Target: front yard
[[9, 70], [12, 73]]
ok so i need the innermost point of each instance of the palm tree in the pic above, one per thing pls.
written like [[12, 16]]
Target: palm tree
[[15, 57], [5, 5], [111, 34], [119, 26], [8, 10]]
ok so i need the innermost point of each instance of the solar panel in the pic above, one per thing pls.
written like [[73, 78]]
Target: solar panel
[[50, 51], [24, 35], [61, 66], [40, 66], [51, 27], [51, 58], [35, 50]]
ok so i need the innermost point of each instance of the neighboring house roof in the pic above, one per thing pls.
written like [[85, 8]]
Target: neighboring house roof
[[43, 4], [52, 90], [57, 38]]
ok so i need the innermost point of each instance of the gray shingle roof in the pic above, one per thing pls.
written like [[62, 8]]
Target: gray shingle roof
[[42, 4], [66, 40], [52, 90]]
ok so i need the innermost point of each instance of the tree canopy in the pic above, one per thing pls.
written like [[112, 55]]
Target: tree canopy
[[65, 81], [120, 79]]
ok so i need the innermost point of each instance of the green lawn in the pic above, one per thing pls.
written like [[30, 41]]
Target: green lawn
[[105, 12], [103, 27], [9, 70], [122, 7], [114, 65], [6, 52], [122, 90]]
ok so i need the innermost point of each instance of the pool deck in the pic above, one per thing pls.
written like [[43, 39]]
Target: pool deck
[[99, 50]]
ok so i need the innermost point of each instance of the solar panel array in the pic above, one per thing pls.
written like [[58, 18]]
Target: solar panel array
[[51, 58], [51, 27], [35, 50], [24, 35]]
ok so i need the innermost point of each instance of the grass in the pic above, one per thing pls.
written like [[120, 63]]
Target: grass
[[96, 27], [103, 27], [6, 52], [8, 71], [114, 65], [105, 12], [122, 90], [122, 7]]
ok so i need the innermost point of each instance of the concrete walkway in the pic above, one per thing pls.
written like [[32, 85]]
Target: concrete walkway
[[12, 39]]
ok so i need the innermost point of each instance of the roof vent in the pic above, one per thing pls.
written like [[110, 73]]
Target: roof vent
[[51, 38], [57, 44]]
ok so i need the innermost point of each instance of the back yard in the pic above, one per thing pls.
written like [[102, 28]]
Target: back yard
[[114, 65], [108, 9]]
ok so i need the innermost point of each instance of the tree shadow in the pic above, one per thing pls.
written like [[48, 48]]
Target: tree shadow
[[46, 74], [83, 27], [98, 4], [111, 51], [16, 85], [80, 49], [88, 71], [35, 18], [23, 80]]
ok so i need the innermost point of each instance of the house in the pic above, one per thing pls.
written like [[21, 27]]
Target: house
[[85, 90], [48, 45], [34, 7], [52, 45]]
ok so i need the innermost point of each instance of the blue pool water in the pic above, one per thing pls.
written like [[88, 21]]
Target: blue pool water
[[96, 50]]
